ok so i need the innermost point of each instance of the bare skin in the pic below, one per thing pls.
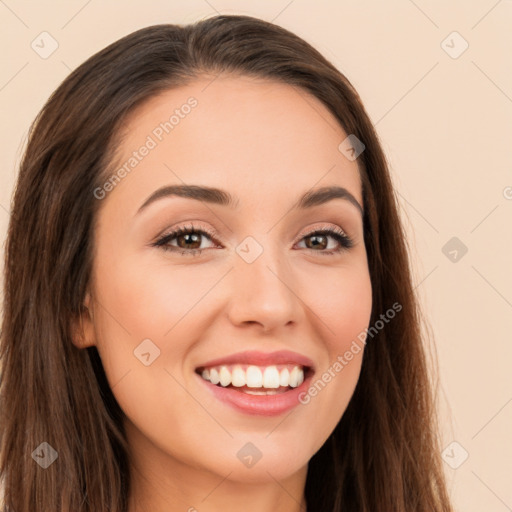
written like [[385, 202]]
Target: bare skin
[[266, 144]]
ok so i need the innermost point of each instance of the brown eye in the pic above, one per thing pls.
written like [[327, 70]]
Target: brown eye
[[318, 241], [184, 240], [189, 240]]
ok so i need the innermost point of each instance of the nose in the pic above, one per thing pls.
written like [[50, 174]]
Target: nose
[[264, 293]]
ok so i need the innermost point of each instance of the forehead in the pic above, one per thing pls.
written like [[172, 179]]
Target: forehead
[[236, 132]]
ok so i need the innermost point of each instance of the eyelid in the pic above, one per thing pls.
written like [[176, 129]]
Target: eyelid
[[160, 239], [322, 227]]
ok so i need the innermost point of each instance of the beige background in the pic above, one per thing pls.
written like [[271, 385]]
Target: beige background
[[446, 126]]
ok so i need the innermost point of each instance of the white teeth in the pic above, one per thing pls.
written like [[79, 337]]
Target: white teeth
[[269, 377], [237, 377], [294, 377], [225, 376], [214, 376], [254, 377], [284, 377], [262, 392]]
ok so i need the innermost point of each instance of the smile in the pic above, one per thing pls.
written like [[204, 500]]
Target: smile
[[257, 383]]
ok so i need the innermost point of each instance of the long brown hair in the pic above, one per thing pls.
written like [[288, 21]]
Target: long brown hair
[[382, 456]]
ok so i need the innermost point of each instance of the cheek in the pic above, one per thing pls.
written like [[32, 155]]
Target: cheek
[[152, 300], [150, 313], [342, 303]]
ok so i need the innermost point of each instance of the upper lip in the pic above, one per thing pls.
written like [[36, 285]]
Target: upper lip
[[257, 358]]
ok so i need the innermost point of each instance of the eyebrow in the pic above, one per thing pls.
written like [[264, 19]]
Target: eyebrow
[[220, 197]]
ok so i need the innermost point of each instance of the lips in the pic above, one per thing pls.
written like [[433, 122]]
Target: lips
[[256, 382], [257, 358]]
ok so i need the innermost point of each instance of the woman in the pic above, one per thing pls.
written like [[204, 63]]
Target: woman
[[208, 302]]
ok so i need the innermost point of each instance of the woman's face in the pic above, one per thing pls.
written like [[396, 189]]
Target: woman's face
[[251, 288]]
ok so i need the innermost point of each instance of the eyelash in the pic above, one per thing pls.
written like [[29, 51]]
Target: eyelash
[[336, 233]]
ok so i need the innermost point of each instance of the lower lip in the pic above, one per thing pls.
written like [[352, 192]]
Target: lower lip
[[263, 405]]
